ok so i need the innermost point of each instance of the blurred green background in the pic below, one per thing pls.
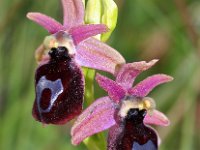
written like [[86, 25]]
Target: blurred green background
[[146, 29]]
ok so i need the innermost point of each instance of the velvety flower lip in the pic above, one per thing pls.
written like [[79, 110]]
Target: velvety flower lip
[[99, 116], [87, 49]]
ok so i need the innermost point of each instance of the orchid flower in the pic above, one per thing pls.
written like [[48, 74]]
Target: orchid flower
[[106, 112], [76, 37], [59, 81]]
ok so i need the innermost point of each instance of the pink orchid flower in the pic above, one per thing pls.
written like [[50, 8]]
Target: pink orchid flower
[[59, 81], [76, 36], [122, 97]]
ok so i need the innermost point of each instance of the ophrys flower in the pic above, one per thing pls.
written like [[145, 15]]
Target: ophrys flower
[[123, 105], [59, 79]]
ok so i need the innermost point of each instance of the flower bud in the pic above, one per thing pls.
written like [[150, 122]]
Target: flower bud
[[102, 11], [109, 17]]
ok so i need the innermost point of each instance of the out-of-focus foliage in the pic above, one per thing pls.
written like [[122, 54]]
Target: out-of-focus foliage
[[146, 29]]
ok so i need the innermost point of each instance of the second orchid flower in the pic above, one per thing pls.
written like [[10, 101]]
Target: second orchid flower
[[122, 101]]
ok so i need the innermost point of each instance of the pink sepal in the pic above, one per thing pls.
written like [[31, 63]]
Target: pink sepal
[[96, 118], [93, 53], [50, 24], [73, 11]]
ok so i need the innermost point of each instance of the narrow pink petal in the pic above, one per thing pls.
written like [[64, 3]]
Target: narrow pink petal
[[157, 118], [115, 91], [143, 88], [83, 32], [97, 55], [130, 71], [47, 22], [96, 118], [73, 11]]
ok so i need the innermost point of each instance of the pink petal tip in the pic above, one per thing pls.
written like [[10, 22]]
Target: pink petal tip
[[144, 87], [156, 118], [50, 24]]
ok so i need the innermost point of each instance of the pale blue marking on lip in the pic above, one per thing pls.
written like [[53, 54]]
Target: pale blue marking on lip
[[56, 88], [147, 146]]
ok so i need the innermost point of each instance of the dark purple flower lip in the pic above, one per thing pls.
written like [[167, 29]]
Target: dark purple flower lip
[[59, 89], [131, 133]]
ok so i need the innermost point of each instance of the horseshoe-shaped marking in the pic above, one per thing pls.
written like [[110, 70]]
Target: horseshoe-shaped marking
[[56, 88]]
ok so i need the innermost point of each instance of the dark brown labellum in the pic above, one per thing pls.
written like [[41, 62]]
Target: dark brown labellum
[[59, 86], [132, 134]]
